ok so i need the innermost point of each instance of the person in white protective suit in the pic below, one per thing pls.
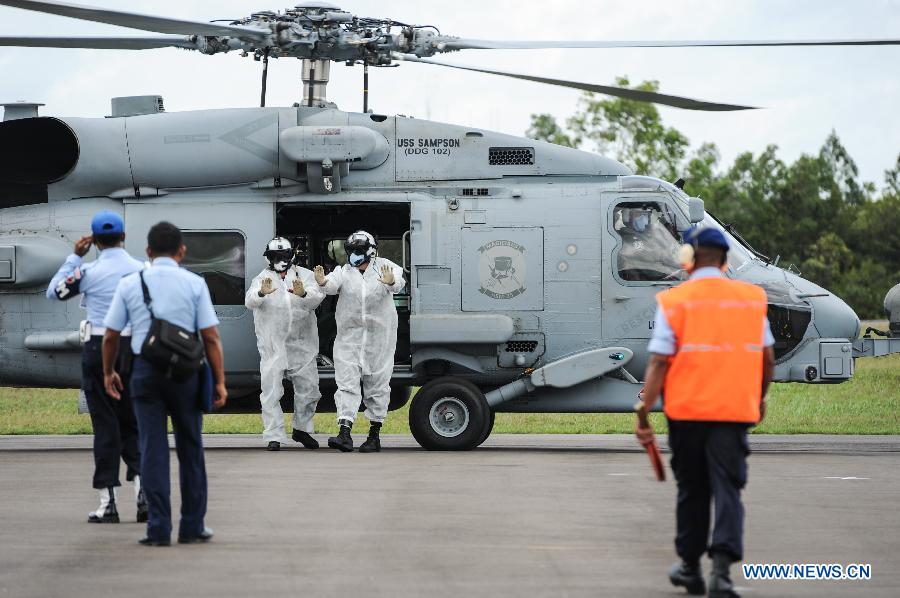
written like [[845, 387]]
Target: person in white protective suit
[[366, 337], [283, 299]]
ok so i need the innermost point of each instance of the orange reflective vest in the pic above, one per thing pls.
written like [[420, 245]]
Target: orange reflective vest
[[716, 372]]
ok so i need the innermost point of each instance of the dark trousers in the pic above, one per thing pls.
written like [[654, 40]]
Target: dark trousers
[[115, 427], [155, 399], [710, 464]]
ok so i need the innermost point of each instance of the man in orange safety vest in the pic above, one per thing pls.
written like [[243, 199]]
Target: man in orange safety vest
[[712, 361]]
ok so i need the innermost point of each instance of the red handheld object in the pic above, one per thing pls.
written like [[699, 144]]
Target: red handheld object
[[652, 448], [656, 461]]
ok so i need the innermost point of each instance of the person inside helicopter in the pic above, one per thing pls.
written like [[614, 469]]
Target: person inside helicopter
[[284, 298], [366, 336], [649, 240]]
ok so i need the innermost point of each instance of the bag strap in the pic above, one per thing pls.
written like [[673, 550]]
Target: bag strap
[[147, 299]]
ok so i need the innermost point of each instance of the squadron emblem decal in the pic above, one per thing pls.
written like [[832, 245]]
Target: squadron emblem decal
[[501, 269]]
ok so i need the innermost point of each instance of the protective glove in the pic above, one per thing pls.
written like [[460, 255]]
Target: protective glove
[[297, 288], [319, 273], [267, 287], [387, 276]]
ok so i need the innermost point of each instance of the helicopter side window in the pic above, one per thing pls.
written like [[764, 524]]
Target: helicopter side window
[[219, 257], [649, 242]]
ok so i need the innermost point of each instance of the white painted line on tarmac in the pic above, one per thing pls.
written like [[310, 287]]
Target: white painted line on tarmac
[[834, 477]]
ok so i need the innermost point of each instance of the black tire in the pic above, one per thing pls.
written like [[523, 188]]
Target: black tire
[[490, 428], [457, 398]]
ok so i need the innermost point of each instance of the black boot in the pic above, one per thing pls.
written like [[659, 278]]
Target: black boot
[[107, 512], [273, 446], [373, 442], [720, 585], [143, 510], [305, 439], [343, 441], [690, 577]]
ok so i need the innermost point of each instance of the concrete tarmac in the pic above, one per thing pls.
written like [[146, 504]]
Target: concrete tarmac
[[524, 516]]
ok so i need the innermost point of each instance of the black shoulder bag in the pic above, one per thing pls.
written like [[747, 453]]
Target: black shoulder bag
[[171, 349]]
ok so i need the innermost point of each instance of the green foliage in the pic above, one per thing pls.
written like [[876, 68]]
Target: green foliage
[[867, 404], [815, 213]]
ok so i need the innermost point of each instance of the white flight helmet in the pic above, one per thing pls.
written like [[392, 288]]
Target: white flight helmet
[[361, 247], [279, 254]]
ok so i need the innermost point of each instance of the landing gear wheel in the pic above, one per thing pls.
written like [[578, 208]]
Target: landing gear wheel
[[490, 428], [450, 414]]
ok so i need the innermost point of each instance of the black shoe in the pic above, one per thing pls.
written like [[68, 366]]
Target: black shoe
[[148, 541], [720, 585], [371, 445], [688, 577], [274, 446], [305, 439], [343, 441], [106, 518], [143, 511], [373, 442], [205, 536], [110, 514]]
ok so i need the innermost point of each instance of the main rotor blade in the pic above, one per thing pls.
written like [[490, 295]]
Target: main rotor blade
[[480, 44], [100, 43], [136, 20], [619, 92]]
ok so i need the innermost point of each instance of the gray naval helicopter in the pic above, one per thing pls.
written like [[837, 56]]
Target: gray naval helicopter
[[532, 267]]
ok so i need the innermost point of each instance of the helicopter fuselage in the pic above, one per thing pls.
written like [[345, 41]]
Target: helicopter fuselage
[[519, 253]]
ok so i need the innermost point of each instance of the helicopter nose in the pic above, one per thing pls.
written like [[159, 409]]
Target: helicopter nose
[[833, 318]]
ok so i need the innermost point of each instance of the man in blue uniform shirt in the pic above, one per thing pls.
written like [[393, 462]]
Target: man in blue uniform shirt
[[181, 298], [115, 428]]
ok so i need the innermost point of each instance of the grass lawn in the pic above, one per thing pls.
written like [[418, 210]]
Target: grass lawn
[[868, 404]]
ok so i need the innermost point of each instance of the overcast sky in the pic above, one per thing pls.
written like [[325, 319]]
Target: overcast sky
[[806, 91]]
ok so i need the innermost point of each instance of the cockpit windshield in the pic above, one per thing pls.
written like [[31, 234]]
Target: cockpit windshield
[[738, 255]]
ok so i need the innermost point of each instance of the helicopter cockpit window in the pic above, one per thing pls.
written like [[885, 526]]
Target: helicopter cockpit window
[[649, 242], [738, 256], [219, 257]]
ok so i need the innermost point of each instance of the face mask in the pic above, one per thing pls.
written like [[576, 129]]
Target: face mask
[[281, 266], [641, 222], [357, 259]]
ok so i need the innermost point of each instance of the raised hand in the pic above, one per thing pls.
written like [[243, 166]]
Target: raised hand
[[83, 245], [319, 273], [297, 288], [387, 275], [267, 288]]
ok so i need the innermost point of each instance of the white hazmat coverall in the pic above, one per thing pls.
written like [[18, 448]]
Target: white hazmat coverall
[[366, 338], [287, 337]]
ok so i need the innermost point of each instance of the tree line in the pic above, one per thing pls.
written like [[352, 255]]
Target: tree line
[[814, 214]]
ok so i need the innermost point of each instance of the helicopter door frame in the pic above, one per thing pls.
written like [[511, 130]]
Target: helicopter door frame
[[629, 306], [256, 223]]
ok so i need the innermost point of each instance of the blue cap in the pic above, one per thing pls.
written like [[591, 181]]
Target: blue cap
[[107, 223], [706, 237]]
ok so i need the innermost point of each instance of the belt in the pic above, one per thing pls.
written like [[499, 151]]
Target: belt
[[100, 331]]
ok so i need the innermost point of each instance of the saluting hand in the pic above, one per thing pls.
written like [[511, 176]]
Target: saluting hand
[[387, 275], [267, 288], [297, 288], [319, 273], [83, 245]]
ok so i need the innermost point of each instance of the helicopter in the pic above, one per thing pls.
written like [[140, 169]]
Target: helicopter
[[525, 292]]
